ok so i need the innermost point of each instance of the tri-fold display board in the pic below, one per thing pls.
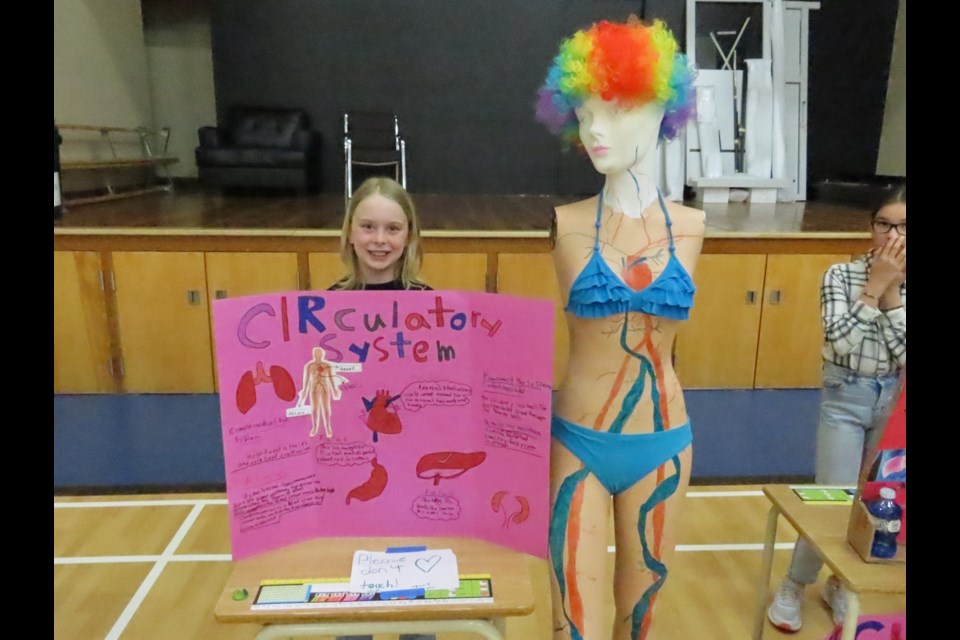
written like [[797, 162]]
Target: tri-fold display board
[[407, 413]]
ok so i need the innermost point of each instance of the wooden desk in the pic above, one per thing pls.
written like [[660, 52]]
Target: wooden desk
[[511, 584], [825, 527]]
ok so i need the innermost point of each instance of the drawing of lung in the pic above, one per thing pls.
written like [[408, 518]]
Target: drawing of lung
[[283, 386]]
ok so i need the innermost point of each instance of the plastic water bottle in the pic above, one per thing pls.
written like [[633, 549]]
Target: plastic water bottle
[[885, 514]]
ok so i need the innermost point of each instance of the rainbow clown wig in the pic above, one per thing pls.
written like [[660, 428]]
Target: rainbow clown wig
[[631, 63]]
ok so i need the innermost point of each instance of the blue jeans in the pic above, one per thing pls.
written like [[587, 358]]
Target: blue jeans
[[854, 411]]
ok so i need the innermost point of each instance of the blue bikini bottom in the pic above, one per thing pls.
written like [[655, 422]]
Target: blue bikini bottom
[[620, 460]]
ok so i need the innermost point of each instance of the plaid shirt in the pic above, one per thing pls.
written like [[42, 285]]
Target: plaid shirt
[[856, 336]]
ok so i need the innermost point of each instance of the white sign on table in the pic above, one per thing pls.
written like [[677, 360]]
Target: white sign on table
[[380, 570]]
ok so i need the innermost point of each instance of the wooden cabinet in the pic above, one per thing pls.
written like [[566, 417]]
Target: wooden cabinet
[[791, 332], [456, 271], [133, 314], [717, 347], [163, 322], [533, 276], [82, 357], [755, 323], [233, 274], [325, 269]]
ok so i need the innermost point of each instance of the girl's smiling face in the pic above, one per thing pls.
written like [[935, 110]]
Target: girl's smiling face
[[378, 234]]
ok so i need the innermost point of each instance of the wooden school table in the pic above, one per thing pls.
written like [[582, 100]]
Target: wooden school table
[[825, 527], [511, 586]]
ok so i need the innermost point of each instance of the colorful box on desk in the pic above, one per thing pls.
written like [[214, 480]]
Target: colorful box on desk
[[885, 467]]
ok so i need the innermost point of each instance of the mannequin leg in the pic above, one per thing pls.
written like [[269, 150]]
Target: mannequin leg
[[637, 576], [579, 536]]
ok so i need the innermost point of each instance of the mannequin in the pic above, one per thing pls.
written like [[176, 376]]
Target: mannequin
[[624, 260]]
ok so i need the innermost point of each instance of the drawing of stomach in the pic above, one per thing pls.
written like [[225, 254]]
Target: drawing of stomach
[[374, 485]]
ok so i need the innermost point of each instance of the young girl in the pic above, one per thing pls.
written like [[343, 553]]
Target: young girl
[[380, 240], [380, 247], [864, 310]]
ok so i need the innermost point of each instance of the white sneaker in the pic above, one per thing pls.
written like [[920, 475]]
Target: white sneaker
[[784, 611], [834, 595]]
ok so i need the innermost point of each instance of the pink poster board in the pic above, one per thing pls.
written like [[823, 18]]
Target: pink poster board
[[408, 413], [871, 627]]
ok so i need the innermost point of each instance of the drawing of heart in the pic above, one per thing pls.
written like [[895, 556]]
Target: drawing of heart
[[636, 272], [426, 564]]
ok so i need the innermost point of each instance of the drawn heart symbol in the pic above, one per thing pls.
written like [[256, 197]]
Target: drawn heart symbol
[[426, 564]]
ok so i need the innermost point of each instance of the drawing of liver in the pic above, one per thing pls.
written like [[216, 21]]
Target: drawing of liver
[[373, 487], [447, 465]]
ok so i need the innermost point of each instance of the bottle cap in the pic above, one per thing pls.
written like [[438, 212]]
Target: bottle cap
[[888, 493]]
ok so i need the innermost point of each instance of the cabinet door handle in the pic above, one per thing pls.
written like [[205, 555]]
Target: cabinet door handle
[[193, 296], [751, 297], [775, 297], [220, 294]]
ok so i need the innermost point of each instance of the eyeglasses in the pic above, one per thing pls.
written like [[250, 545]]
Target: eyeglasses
[[882, 226]]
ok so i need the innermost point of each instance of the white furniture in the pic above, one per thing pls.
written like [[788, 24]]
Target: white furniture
[[796, 25], [149, 157]]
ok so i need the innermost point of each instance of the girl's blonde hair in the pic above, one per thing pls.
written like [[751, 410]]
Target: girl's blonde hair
[[408, 267]]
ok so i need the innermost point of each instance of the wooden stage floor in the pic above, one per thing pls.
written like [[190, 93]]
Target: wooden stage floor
[[190, 208]]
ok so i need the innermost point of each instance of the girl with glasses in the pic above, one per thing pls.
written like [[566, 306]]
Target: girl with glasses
[[864, 308]]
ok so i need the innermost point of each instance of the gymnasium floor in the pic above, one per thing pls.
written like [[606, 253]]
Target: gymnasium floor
[[151, 567]]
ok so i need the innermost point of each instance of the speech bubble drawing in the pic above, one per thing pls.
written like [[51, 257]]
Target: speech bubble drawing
[[438, 393], [433, 506], [341, 453]]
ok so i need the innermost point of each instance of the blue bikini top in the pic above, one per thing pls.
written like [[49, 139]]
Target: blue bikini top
[[599, 293]]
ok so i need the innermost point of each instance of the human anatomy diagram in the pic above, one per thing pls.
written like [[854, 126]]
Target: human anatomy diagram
[[321, 386]]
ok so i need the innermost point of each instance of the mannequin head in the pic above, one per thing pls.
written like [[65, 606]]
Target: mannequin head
[[618, 138], [629, 65]]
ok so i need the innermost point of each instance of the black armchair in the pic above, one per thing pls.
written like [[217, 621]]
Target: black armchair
[[260, 148]]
